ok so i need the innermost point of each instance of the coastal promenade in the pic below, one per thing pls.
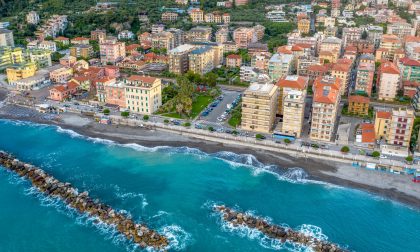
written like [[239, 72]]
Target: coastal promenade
[[290, 149]]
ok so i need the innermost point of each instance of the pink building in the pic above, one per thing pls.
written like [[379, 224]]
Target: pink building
[[244, 36], [64, 91], [241, 2], [115, 94], [233, 60], [112, 51]]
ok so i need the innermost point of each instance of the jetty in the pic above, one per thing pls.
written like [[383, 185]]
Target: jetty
[[138, 233], [274, 231]]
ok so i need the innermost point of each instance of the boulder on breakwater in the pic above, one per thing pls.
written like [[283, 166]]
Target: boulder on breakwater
[[47, 184], [274, 231]]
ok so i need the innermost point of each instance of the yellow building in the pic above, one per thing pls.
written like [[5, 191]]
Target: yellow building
[[382, 120], [304, 26], [197, 16], [293, 113], [358, 105], [20, 71], [143, 94], [259, 103], [201, 60], [9, 56]]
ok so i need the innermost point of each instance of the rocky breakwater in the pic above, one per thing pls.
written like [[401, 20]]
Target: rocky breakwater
[[47, 184], [275, 232]]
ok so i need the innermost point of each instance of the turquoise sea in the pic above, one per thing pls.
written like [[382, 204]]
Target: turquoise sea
[[173, 189]]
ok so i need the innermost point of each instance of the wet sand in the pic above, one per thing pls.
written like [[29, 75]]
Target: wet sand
[[392, 186]]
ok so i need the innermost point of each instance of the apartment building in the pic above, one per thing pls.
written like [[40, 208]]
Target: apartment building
[[248, 74], [280, 65], [32, 18], [20, 71], [326, 101], [222, 35], [382, 121], [389, 43], [112, 51], [48, 45], [198, 34], [169, 16], [342, 70], [304, 26], [351, 34], [358, 105], [399, 132], [52, 27], [10, 56], [143, 94], [293, 113], [364, 78], [201, 60], [61, 75], [81, 51], [98, 35], [163, 40], [400, 29], [115, 93], [6, 38], [179, 58], [260, 61], [388, 81], [179, 36], [331, 44], [197, 16], [259, 103], [243, 36], [125, 34], [410, 69], [287, 84], [233, 60]]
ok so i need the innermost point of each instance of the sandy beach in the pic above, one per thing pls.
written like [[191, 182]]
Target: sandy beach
[[392, 186]]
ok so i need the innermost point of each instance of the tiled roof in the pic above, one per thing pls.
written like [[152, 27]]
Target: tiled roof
[[146, 79], [296, 82], [358, 99], [383, 114]]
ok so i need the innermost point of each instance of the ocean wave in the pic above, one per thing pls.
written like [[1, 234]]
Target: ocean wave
[[234, 160], [263, 240], [178, 238]]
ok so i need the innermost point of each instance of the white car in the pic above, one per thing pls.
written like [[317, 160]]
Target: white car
[[384, 157]]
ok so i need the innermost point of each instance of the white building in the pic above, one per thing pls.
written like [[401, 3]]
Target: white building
[[32, 18]]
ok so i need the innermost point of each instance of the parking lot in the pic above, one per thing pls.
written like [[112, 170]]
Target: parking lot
[[217, 111]]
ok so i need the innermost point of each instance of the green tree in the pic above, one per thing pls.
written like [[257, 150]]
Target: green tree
[[125, 114], [409, 159], [145, 117], [287, 141], [345, 149], [376, 154], [106, 111]]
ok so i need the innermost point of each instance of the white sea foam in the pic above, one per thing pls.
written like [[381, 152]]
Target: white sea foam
[[178, 238], [253, 234]]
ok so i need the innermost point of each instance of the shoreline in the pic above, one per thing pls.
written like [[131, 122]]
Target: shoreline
[[395, 187]]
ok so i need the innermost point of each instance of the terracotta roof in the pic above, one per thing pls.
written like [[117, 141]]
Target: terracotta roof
[[233, 56], [409, 62], [358, 99], [284, 50], [344, 61], [318, 68], [79, 39], [389, 68], [146, 79], [303, 45], [390, 38], [368, 132], [297, 48], [61, 38], [322, 96], [296, 82], [132, 47], [383, 114], [410, 38]]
